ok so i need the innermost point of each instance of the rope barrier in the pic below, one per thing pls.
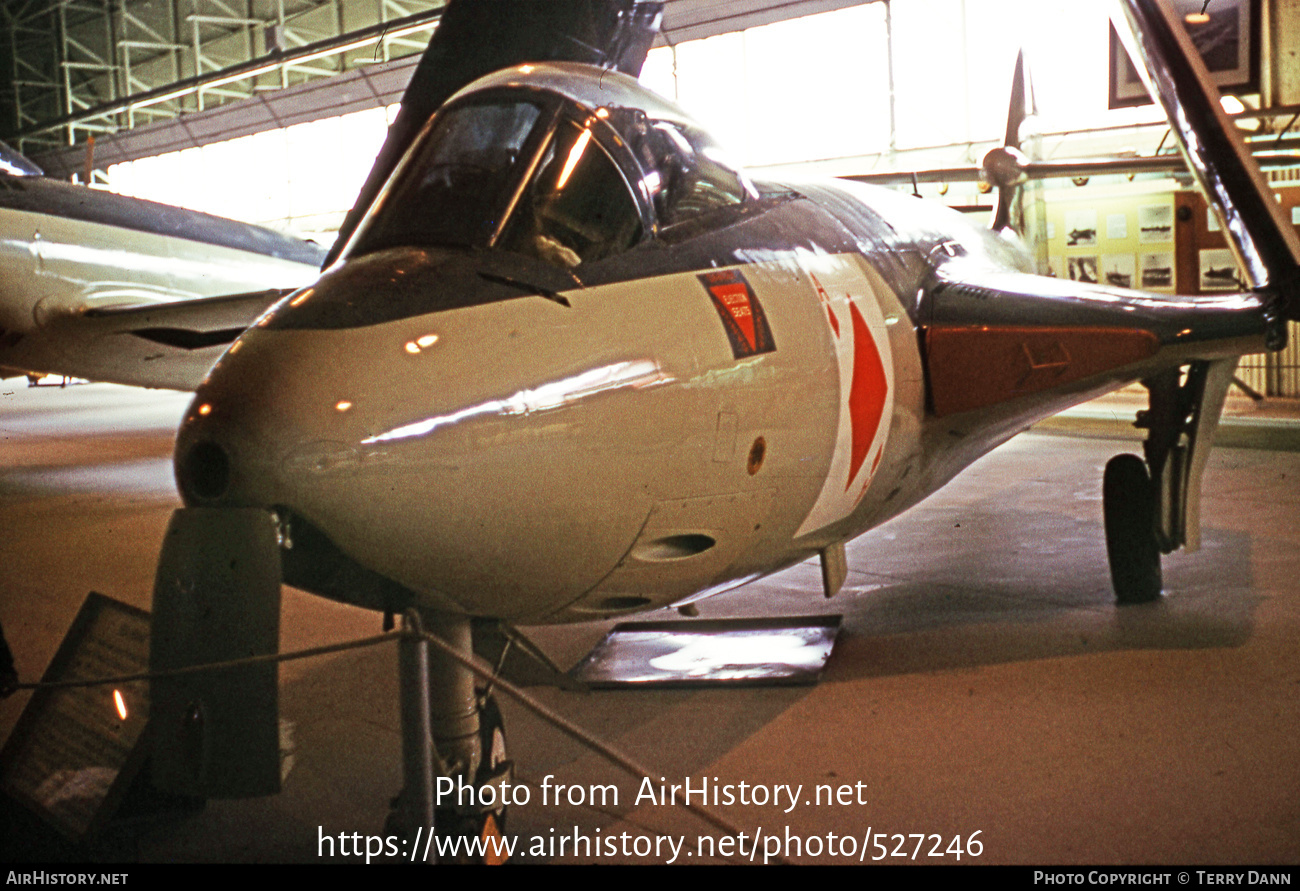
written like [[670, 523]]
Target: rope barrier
[[475, 665], [216, 666], [573, 730]]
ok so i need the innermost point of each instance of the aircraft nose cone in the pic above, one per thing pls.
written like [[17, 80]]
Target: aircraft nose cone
[[289, 404], [260, 401], [227, 445], [450, 450]]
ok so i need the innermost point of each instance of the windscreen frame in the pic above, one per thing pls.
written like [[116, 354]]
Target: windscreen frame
[[550, 109]]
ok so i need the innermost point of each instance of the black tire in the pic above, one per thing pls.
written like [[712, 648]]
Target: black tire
[[1129, 508], [449, 823]]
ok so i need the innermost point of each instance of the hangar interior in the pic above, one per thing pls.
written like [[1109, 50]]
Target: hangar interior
[[291, 99], [271, 111]]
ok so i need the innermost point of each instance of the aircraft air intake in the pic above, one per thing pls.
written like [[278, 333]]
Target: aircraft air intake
[[203, 472]]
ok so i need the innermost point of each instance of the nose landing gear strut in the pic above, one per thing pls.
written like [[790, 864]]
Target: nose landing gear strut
[[453, 750]]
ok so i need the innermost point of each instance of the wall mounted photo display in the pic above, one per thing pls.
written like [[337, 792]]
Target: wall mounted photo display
[[1083, 269], [1118, 270], [1081, 228], [1229, 45], [1158, 270], [1218, 271], [1155, 223], [1116, 225]]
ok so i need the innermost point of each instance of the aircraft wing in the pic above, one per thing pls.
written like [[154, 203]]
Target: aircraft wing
[[163, 345], [103, 286]]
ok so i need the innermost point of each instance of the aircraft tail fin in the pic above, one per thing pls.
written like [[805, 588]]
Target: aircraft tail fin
[[1259, 233]]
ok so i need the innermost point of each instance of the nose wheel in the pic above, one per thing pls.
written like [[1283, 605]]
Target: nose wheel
[[1129, 509], [457, 774], [485, 820]]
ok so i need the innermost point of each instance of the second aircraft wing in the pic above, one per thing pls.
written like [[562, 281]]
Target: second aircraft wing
[[165, 345]]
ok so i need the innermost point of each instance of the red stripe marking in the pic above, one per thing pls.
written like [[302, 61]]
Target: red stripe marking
[[826, 302], [866, 394]]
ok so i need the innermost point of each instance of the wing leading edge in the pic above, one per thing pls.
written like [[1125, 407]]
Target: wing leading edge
[[164, 345]]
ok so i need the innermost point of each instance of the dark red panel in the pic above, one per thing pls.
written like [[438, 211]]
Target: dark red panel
[[977, 366]]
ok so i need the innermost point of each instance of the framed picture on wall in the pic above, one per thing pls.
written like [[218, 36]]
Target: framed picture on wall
[[1219, 271], [1119, 270], [1228, 42], [1083, 269], [1158, 270], [1081, 228], [1156, 224]]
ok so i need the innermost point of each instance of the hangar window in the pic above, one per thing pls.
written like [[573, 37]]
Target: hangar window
[[577, 208]]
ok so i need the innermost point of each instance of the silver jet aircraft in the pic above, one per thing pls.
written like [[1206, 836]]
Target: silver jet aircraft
[[571, 362]]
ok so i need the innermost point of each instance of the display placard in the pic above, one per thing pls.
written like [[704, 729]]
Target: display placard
[[76, 750]]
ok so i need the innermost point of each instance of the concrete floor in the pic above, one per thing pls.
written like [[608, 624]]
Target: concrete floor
[[983, 680]]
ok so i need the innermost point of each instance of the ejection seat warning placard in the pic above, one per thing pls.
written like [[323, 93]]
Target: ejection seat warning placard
[[742, 315], [74, 751]]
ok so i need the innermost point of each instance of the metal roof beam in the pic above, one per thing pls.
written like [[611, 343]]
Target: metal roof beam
[[297, 58]]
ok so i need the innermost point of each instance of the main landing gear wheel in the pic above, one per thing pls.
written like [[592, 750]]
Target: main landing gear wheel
[[485, 823], [1129, 508]]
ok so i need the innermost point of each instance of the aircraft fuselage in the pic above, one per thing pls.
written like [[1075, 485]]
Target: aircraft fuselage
[[514, 434]]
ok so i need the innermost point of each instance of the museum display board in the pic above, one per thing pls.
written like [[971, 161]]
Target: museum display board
[[76, 750]]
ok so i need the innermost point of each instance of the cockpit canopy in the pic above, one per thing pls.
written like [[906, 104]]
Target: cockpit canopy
[[564, 163]]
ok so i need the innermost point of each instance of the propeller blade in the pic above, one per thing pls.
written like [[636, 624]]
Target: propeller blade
[[1005, 168]]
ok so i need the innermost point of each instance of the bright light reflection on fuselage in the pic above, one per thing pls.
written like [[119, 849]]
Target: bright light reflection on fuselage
[[423, 342], [638, 374]]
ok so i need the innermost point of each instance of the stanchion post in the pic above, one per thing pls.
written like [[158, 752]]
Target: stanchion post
[[417, 734]]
